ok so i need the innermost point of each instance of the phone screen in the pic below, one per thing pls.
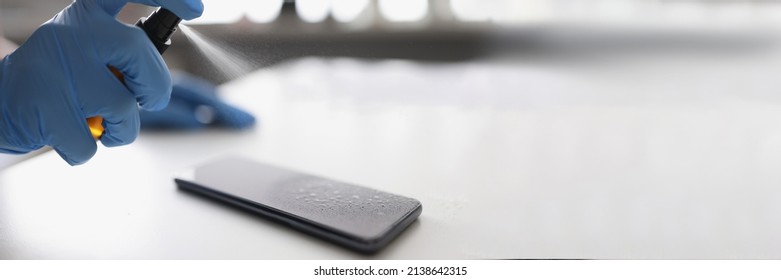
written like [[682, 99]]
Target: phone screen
[[361, 218]]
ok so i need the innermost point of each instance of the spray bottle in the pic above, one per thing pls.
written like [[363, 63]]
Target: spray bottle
[[159, 27]]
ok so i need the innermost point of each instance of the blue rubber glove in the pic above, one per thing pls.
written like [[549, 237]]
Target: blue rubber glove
[[60, 77], [194, 104]]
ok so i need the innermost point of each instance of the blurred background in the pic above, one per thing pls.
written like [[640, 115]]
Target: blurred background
[[267, 32]]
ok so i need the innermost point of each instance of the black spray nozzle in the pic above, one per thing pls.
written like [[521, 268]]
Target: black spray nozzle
[[160, 26]]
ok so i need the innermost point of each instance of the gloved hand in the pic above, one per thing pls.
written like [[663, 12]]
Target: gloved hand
[[60, 77], [194, 104]]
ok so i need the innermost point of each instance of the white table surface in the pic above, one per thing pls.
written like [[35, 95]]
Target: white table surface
[[525, 160]]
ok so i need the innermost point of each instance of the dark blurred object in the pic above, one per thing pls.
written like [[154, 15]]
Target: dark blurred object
[[194, 104]]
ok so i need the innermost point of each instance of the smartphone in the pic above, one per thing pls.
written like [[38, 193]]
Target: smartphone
[[360, 218]]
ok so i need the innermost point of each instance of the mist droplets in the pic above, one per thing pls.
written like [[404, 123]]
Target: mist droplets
[[230, 62]]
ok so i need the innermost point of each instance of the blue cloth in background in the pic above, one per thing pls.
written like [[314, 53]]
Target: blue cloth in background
[[194, 104]]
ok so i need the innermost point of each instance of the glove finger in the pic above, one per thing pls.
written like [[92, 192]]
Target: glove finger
[[112, 7], [121, 121], [144, 70], [70, 137], [186, 9]]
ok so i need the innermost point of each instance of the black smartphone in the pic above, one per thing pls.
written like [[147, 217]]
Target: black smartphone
[[360, 218]]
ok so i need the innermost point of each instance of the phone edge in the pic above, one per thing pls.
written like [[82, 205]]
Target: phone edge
[[360, 245]]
